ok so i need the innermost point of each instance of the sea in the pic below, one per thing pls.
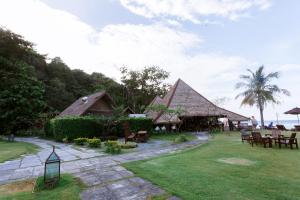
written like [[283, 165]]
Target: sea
[[287, 123]]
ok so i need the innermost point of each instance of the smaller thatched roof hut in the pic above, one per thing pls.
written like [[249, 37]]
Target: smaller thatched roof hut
[[99, 103]]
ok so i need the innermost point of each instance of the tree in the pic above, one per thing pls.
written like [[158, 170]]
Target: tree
[[259, 90], [21, 97], [142, 86], [21, 94], [115, 90]]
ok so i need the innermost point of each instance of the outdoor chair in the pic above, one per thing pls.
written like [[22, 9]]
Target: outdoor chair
[[288, 141], [281, 127], [258, 139], [245, 136], [275, 135], [131, 137], [128, 136]]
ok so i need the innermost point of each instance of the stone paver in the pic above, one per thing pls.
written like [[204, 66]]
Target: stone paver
[[102, 173]]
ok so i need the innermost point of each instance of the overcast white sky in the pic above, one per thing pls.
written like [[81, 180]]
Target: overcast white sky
[[207, 43]]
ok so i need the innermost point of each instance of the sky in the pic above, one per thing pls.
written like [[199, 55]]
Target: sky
[[206, 43]]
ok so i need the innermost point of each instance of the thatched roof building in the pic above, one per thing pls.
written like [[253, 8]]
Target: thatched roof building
[[193, 104], [99, 103]]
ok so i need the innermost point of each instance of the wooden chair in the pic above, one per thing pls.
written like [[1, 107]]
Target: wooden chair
[[245, 136], [128, 136], [258, 139], [131, 137], [281, 127], [288, 141], [275, 135]]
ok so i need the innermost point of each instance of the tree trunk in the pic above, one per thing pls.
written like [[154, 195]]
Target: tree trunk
[[262, 122]]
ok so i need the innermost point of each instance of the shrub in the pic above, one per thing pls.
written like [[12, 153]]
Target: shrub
[[80, 141], [128, 145], [112, 147], [94, 143], [65, 140], [180, 139]]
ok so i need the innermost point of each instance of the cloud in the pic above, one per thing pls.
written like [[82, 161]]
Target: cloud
[[59, 33], [55, 32], [193, 10]]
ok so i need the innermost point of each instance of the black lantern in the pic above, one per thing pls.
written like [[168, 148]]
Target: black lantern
[[52, 169]]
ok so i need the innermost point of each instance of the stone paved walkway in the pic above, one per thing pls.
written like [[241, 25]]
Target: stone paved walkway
[[103, 175]]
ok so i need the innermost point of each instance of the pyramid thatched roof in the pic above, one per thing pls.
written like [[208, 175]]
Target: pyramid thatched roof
[[156, 101], [182, 96]]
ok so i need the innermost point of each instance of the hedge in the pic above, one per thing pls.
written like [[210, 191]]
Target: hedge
[[92, 126], [75, 127], [138, 124]]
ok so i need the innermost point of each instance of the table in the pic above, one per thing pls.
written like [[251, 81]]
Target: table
[[142, 136]]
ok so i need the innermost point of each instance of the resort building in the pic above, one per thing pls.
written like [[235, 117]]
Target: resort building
[[198, 113], [99, 103]]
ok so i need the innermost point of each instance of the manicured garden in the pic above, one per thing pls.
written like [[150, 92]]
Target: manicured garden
[[225, 168], [68, 188], [13, 150]]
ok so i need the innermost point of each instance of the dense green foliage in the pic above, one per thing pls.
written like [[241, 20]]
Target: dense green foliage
[[94, 143], [112, 147], [181, 138], [21, 94], [63, 85], [80, 141], [143, 86], [199, 173], [68, 188], [14, 150], [259, 90], [75, 127]]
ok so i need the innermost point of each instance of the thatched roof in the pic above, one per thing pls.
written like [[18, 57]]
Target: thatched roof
[[234, 116], [182, 96], [156, 101], [81, 106]]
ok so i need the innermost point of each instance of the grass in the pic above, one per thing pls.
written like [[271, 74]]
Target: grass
[[68, 188], [13, 150], [200, 173], [171, 136]]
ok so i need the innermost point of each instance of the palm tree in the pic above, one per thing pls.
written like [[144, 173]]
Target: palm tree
[[259, 90]]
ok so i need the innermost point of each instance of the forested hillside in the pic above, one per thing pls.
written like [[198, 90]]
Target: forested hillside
[[32, 84]]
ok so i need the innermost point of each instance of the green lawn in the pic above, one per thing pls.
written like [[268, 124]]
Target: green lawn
[[68, 188], [200, 174], [171, 136], [13, 150]]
